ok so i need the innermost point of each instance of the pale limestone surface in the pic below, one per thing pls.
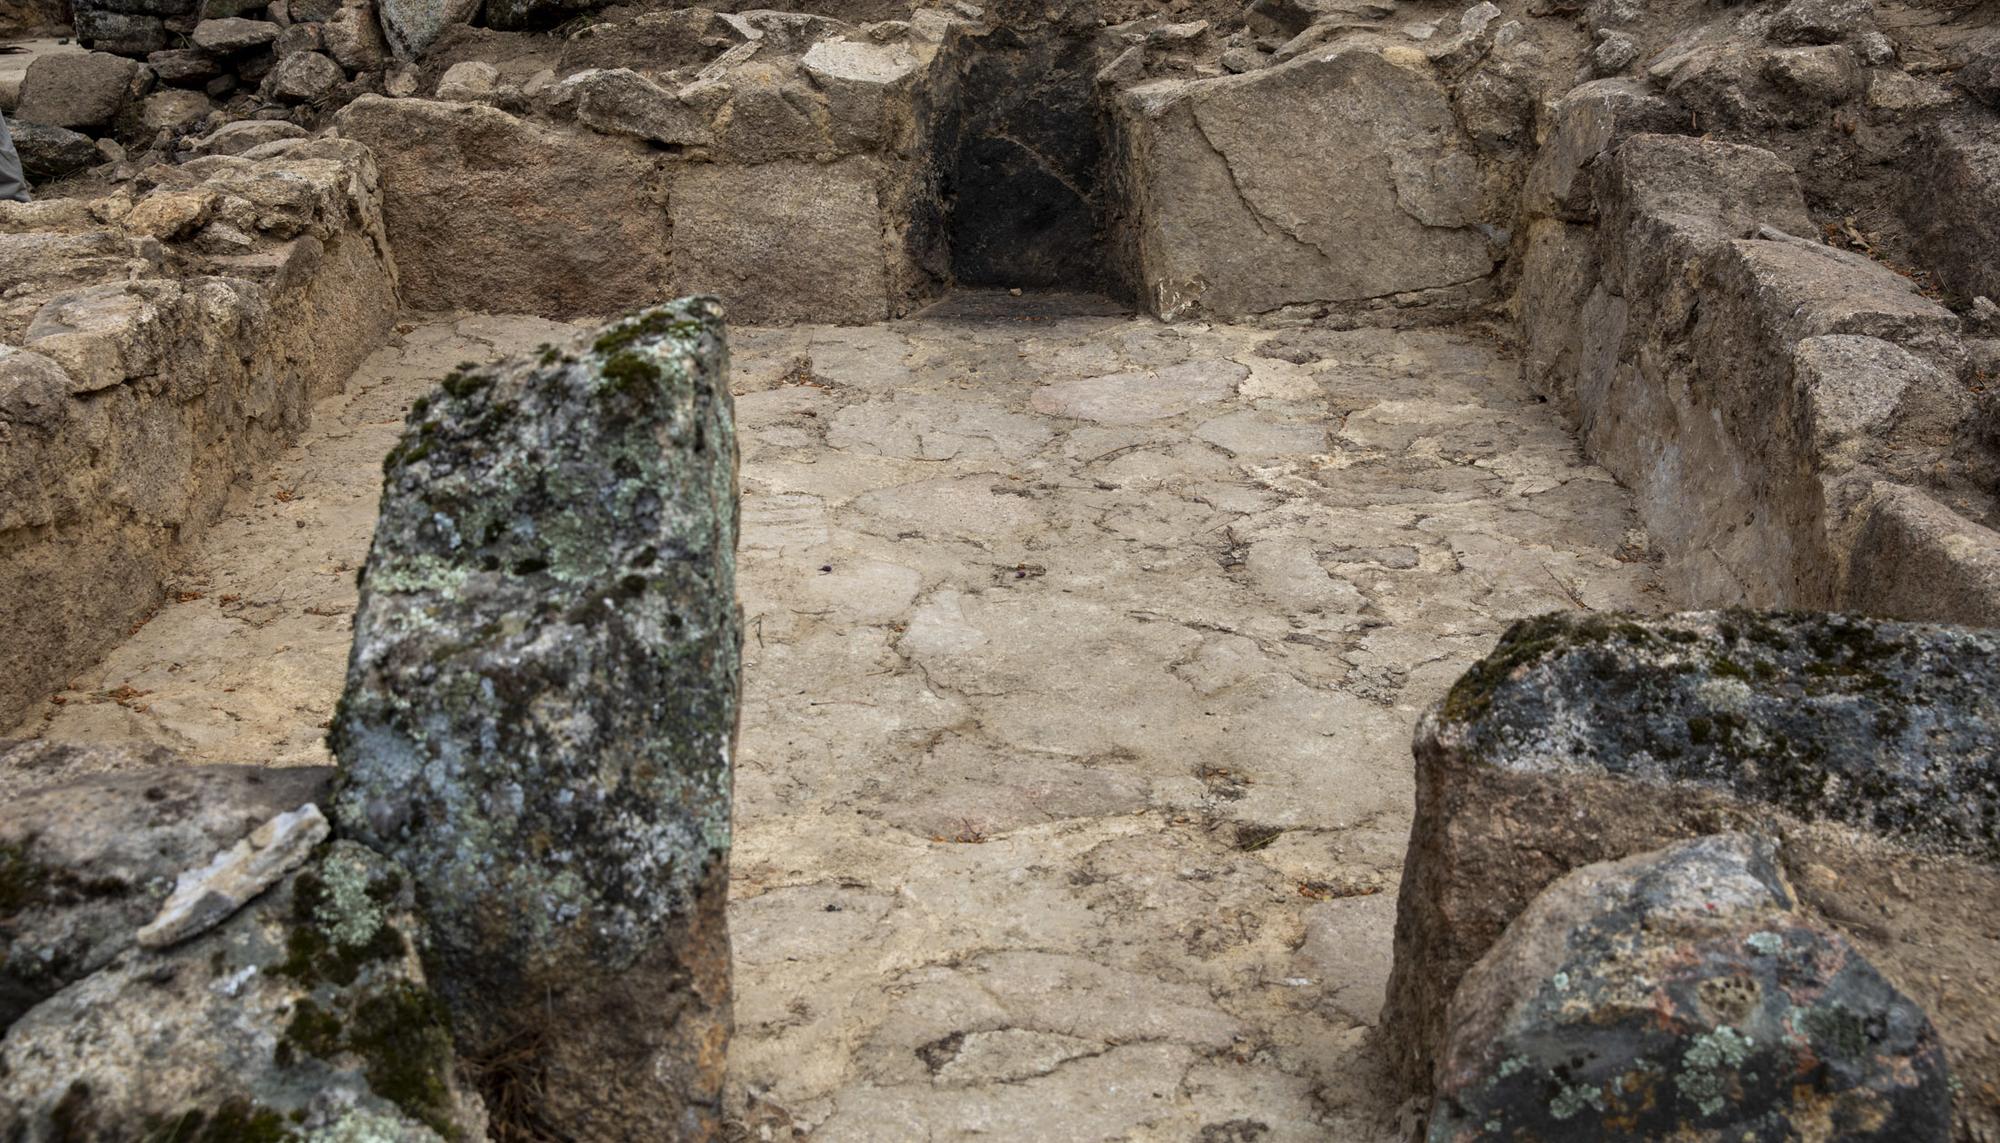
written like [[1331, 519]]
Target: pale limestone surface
[[245, 660], [1075, 771]]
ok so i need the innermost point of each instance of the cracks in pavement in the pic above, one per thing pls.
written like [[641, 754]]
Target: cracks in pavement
[[1023, 698]]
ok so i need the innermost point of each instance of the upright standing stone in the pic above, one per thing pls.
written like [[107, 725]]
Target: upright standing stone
[[540, 712]]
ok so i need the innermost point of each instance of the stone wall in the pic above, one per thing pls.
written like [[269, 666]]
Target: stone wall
[[159, 346], [1769, 332], [782, 162], [1761, 392], [1367, 193]]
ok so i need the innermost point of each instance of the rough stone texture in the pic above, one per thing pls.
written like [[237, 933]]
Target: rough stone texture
[[306, 1014], [51, 152], [487, 211], [623, 102], [541, 708], [233, 34], [122, 33], [1869, 748], [1365, 190], [174, 111], [1912, 556], [29, 764], [184, 67], [353, 37], [238, 137], [783, 241], [80, 91], [468, 82], [302, 77], [79, 884], [133, 404], [207, 895], [1678, 994], [1818, 21], [1955, 208], [412, 26], [1981, 76], [1591, 120], [1749, 384], [1043, 915], [680, 38]]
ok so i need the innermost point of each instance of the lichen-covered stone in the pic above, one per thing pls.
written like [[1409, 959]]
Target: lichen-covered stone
[[1889, 726], [540, 708], [1678, 994], [1871, 748], [89, 858], [304, 1016]]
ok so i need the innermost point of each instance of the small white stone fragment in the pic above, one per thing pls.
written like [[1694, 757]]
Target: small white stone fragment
[[205, 897], [232, 984]]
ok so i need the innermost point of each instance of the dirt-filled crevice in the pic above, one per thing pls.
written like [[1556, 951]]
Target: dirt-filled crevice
[[1023, 165]]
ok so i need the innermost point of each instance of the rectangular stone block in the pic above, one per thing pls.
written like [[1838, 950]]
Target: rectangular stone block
[[785, 241], [489, 212], [540, 713], [1363, 190]]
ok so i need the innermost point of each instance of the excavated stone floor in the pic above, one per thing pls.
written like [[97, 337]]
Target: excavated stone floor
[[1082, 658]]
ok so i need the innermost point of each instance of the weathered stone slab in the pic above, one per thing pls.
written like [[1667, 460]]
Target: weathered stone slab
[[82, 91], [305, 1015], [783, 242], [486, 211], [541, 707], [1913, 557], [1954, 208], [1872, 749], [1679, 994], [233, 34], [1364, 188]]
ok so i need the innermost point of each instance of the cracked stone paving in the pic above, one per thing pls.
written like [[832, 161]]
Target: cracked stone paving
[[1082, 658]]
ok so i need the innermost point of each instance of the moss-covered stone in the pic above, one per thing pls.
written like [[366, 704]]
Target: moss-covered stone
[[305, 1015], [1891, 726], [235, 1121], [1587, 738], [541, 702]]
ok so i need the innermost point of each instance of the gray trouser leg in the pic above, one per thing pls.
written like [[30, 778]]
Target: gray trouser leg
[[13, 184]]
